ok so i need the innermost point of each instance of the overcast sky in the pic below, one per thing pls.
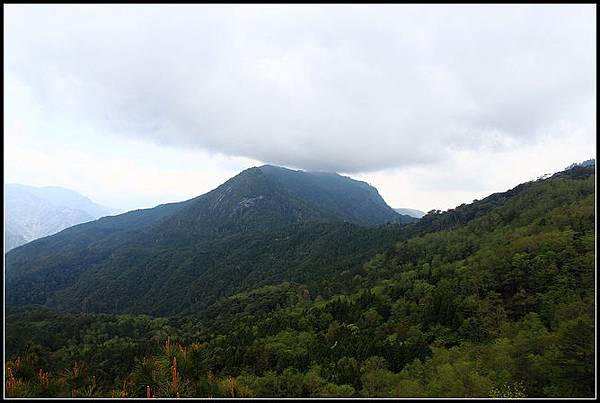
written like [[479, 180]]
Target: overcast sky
[[434, 105]]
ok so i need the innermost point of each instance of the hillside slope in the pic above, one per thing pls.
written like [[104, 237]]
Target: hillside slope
[[145, 252], [352, 200], [491, 299]]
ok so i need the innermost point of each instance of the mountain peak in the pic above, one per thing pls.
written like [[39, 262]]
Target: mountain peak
[[341, 196], [270, 196]]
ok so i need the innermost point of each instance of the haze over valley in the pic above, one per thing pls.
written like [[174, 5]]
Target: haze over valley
[[35, 212]]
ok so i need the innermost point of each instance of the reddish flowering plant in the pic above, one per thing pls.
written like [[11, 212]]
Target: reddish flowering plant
[[92, 387], [198, 346], [174, 375], [43, 378], [10, 382]]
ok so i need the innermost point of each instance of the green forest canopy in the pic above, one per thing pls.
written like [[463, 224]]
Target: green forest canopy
[[494, 299]]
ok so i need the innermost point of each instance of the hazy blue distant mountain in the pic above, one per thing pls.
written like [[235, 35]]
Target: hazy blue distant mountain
[[584, 164], [411, 212], [34, 212], [65, 198], [589, 163], [264, 224], [12, 239]]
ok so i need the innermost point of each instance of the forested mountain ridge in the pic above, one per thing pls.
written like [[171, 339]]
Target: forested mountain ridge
[[268, 197], [173, 248], [491, 299], [436, 220], [353, 200]]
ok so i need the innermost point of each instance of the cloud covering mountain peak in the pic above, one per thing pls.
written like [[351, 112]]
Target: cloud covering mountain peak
[[347, 89]]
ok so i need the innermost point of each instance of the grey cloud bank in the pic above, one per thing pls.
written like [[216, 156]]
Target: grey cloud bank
[[340, 88]]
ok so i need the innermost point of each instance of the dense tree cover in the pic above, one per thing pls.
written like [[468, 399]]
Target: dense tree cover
[[355, 201], [258, 227], [500, 304], [167, 281]]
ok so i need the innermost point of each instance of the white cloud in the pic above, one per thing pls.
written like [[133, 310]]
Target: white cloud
[[470, 175], [433, 104], [123, 182], [346, 88]]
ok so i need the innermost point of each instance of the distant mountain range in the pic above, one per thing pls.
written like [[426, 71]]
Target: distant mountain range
[[411, 212], [34, 212]]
